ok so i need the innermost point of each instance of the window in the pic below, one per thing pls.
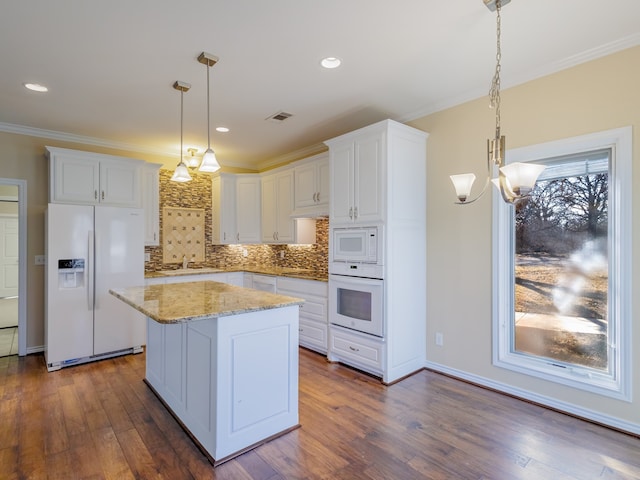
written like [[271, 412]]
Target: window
[[562, 295]]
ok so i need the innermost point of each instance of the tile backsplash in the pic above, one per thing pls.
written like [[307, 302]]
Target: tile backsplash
[[197, 195]]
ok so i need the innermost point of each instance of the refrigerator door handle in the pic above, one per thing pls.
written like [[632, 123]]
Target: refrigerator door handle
[[89, 271]]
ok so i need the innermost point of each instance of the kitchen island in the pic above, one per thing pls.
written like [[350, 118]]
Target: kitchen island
[[223, 359]]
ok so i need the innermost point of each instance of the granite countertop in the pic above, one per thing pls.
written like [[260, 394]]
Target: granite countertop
[[183, 302], [302, 273]]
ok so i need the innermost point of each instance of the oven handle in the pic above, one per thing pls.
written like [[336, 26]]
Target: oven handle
[[356, 280]]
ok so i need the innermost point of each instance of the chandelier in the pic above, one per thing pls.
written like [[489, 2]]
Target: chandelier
[[515, 180]]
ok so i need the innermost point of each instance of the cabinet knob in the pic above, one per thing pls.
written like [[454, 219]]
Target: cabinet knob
[[351, 212], [355, 213], [354, 349], [95, 194], [102, 194]]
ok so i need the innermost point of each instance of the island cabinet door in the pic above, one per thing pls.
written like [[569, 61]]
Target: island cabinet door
[[242, 378], [166, 361]]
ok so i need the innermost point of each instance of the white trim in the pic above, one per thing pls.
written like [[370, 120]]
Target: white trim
[[22, 261], [618, 384], [38, 349], [566, 407]]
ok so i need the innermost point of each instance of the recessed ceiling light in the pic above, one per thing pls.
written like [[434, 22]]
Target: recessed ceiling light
[[222, 129], [36, 87], [330, 62]]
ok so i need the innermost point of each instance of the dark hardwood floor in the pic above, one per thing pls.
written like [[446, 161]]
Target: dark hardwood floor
[[100, 420]]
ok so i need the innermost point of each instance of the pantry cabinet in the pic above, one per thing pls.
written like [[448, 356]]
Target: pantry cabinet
[[88, 178], [311, 180], [357, 166], [378, 178], [277, 204]]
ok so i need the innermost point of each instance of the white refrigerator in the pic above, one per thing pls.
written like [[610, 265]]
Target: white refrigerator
[[90, 249]]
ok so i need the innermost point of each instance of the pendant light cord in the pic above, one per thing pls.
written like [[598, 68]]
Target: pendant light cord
[[181, 121], [208, 112]]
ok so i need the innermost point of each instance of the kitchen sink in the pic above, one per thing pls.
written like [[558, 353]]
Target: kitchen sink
[[191, 271]]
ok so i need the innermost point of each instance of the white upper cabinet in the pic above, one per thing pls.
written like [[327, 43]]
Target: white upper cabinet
[[90, 178], [151, 204], [357, 166], [223, 208], [235, 207], [311, 180], [277, 204], [248, 208]]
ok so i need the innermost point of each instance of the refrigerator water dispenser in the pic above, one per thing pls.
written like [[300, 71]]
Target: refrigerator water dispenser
[[71, 273]]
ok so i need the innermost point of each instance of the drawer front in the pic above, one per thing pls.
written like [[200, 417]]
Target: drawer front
[[360, 350], [303, 287], [313, 335], [315, 308]]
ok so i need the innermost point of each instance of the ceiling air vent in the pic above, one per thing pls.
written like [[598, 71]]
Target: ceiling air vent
[[279, 117]]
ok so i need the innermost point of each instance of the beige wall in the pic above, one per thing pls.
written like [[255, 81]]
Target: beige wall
[[592, 97]]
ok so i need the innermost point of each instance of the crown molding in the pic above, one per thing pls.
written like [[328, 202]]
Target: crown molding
[[548, 69], [70, 137]]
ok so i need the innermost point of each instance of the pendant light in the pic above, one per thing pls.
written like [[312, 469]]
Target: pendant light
[[209, 162], [515, 180], [181, 173]]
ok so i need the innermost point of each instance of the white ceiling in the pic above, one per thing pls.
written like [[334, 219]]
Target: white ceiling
[[110, 65]]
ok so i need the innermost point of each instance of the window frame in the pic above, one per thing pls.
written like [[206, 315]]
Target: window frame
[[617, 382]]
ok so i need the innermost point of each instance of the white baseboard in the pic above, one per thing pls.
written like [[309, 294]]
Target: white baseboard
[[566, 407], [37, 349]]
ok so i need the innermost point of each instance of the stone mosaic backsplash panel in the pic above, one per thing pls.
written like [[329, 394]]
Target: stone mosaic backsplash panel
[[197, 194], [183, 235]]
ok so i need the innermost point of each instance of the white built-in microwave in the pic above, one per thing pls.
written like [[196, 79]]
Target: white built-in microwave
[[356, 245]]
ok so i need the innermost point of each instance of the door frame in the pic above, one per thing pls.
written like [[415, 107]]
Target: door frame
[[22, 261]]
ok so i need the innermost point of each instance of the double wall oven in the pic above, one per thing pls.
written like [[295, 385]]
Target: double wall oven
[[356, 283]]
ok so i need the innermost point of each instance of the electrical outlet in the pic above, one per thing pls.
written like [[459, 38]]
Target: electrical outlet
[[40, 260], [147, 257], [244, 252], [281, 253], [439, 339]]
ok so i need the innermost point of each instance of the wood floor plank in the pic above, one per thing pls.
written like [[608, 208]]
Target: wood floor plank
[[100, 421], [110, 456]]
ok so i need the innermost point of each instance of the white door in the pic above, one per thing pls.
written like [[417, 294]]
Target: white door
[[8, 255], [119, 262]]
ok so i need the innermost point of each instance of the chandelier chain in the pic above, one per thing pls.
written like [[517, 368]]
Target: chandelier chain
[[494, 92]]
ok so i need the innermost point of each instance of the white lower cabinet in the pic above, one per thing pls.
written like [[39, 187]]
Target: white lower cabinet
[[266, 283], [363, 351], [235, 278], [232, 381], [312, 330]]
